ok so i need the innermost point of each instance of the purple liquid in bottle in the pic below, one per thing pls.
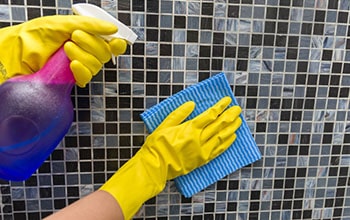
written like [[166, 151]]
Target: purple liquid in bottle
[[36, 112]]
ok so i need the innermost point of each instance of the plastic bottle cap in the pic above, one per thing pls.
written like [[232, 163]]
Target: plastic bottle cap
[[93, 11], [90, 10]]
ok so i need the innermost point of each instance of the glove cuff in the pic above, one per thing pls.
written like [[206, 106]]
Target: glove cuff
[[137, 181]]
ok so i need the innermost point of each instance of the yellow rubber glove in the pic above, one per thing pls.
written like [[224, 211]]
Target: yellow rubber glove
[[173, 149], [26, 47]]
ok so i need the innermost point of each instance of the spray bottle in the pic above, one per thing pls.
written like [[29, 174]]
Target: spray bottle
[[36, 110]]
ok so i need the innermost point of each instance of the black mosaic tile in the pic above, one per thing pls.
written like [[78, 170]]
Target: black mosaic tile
[[138, 5]]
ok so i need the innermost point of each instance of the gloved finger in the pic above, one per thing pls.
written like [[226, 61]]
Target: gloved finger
[[92, 44], [178, 115], [212, 113], [221, 141], [70, 23], [216, 146], [82, 74], [117, 46], [74, 52], [221, 123]]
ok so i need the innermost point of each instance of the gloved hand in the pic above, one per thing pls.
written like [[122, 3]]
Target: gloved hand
[[173, 149], [26, 47]]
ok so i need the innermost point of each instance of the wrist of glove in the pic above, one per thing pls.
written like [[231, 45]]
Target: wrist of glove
[[173, 149], [26, 47]]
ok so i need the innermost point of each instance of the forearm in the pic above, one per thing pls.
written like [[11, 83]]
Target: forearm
[[97, 205]]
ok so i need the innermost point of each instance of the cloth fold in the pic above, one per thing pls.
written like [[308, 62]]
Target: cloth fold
[[205, 94]]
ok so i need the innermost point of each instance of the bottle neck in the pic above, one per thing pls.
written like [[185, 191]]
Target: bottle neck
[[55, 71]]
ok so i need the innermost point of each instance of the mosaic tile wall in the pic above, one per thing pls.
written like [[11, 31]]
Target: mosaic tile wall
[[288, 62]]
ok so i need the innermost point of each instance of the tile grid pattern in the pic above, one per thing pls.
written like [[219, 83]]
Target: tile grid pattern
[[288, 62]]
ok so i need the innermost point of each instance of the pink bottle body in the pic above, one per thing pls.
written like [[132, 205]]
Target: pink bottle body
[[35, 114]]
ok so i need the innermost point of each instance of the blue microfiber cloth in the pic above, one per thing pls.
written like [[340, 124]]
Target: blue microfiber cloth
[[205, 94]]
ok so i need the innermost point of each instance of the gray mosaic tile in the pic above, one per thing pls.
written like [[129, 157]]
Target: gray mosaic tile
[[4, 12]]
